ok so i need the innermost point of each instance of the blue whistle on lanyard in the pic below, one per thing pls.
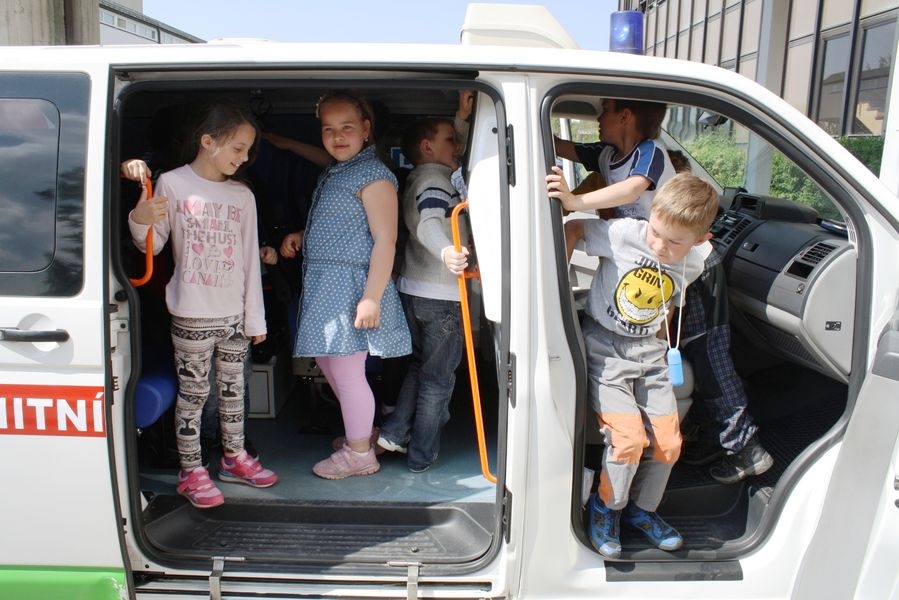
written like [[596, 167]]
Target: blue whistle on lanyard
[[675, 367]]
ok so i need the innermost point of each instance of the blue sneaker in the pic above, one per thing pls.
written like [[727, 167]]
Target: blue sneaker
[[603, 528], [654, 527]]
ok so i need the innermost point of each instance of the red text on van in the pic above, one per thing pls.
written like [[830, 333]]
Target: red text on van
[[52, 410]]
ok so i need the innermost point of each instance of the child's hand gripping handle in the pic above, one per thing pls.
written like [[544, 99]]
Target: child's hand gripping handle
[[148, 271]]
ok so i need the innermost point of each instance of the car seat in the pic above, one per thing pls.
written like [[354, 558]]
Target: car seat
[[156, 388]]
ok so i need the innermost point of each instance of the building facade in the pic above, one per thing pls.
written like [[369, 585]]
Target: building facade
[[832, 59], [123, 22]]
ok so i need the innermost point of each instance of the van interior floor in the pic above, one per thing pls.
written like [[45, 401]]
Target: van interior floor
[[445, 514]]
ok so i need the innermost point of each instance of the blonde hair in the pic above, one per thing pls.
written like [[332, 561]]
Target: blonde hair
[[687, 201]]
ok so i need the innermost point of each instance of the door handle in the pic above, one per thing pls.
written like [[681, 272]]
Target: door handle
[[14, 334]]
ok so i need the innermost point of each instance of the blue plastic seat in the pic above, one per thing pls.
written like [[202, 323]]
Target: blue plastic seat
[[156, 389]]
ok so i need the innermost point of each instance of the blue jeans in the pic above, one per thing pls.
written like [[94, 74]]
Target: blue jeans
[[422, 407], [209, 422]]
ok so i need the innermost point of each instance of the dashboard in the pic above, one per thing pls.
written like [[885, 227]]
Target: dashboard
[[791, 280]]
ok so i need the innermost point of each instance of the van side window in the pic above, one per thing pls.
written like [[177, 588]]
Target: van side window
[[42, 162]]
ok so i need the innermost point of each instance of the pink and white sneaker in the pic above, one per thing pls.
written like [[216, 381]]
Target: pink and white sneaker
[[245, 469], [199, 489], [347, 463]]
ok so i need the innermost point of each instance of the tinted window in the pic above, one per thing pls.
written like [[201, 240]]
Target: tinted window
[[29, 137], [42, 155]]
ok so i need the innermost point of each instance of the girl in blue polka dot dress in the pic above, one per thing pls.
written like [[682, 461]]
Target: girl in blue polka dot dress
[[349, 306]]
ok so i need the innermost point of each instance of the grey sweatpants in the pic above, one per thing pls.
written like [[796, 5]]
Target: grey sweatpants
[[630, 390]]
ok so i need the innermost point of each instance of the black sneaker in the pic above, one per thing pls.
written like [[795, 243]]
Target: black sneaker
[[416, 469], [701, 452], [751, 460]]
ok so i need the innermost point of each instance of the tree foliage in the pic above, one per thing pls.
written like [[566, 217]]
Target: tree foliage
[[720, 156], [725, 160]]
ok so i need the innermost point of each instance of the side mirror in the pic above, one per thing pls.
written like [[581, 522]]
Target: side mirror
[[710, 119]]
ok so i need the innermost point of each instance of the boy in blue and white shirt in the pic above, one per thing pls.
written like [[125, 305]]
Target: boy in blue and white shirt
[[629, 157]]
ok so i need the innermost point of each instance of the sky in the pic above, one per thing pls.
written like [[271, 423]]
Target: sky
[[419, 21]]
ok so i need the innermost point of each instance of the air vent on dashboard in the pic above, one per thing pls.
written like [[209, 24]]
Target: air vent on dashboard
[[746, 203], [727, 227], [816, 253], [803, 264], [732, 235]]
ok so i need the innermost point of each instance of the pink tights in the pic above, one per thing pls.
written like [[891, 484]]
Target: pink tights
[[346, 376]]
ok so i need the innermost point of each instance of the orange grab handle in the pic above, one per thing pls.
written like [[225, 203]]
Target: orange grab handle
[[469, 346], [148, 271]]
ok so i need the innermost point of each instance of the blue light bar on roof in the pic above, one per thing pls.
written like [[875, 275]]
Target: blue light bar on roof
[[626, 32]]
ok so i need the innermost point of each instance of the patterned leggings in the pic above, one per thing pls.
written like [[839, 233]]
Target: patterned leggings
[[196, 343]]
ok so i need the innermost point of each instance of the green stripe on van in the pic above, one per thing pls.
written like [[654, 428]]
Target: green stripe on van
[[60, 583]]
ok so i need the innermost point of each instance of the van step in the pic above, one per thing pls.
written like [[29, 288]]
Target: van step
[[321, 533]]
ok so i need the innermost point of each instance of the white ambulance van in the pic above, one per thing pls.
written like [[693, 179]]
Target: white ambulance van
[[88, 509]]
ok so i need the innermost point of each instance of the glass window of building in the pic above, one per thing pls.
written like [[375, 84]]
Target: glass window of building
[[832, 84], [874, 78]]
